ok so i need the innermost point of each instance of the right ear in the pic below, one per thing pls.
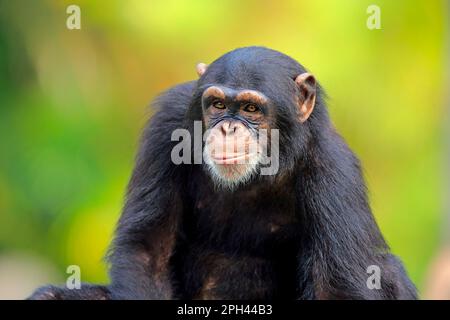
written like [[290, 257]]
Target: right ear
[[201, 68], [307, 97]]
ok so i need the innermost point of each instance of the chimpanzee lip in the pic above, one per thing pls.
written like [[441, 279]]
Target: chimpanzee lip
[[233, 160]]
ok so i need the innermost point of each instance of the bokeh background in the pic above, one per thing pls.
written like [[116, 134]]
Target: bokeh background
[[73, 103]]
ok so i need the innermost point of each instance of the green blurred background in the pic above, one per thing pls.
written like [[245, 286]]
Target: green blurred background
[[73, 103]]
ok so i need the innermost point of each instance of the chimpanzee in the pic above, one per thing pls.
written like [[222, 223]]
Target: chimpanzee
[[215, 226]]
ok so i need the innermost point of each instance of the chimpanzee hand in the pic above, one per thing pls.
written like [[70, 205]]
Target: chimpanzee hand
[[86, 292]]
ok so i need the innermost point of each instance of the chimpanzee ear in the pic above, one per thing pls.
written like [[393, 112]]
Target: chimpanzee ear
[[201, 68], [306, 99]]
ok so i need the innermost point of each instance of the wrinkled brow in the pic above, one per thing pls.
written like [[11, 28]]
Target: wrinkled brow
[[252, 96], [214, 92]]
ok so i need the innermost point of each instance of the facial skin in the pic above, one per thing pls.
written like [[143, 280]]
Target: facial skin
[[233, 118]]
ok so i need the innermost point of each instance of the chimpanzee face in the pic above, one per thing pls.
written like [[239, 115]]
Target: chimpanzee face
[[239, 122], [234, 119]]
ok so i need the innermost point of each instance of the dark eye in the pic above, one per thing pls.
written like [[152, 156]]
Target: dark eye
[[218, 104], [250, 108]]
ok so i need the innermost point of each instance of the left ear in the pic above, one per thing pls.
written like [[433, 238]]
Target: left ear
[[201, 68], [307, 95]]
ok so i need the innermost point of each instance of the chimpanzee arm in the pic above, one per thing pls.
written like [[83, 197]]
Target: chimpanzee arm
[[147, 230], [341, 239], [143, 247]]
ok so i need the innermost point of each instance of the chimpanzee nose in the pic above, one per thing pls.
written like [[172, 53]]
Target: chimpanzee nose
[[229, 127]]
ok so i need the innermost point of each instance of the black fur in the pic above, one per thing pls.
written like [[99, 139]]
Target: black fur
[[180, 237]]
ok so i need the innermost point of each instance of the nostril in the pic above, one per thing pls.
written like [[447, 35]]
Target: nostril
[[225, 127], [229, 127]]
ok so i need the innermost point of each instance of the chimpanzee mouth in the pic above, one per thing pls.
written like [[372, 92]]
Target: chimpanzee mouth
[[230, 172], [237, 159]]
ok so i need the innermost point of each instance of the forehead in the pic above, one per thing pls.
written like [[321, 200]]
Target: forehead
[[223, 92]]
